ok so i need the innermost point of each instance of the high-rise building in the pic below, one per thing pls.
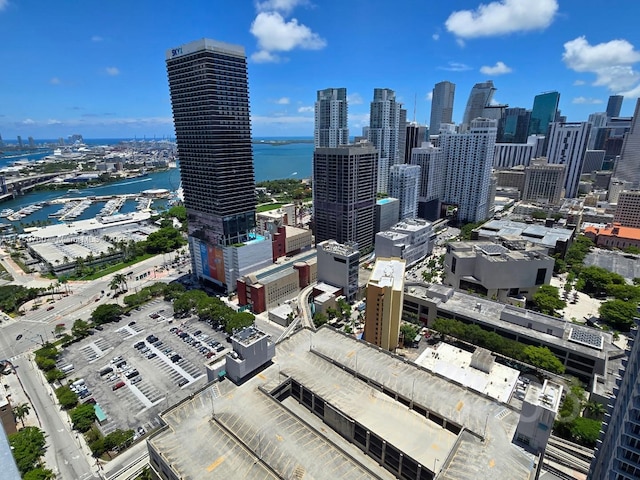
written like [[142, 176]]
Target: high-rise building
[[614, 105], [402, 135], [514, 125], [387, 213], [32, 142], [383, 133], [628, 165], [1, 142], [617, 454], [468, 161], [545, 109], [338, 265], [543, 182], [598, 121], [442, 97], [480, 97], [567, 146], [210, 102], [509, 155], [20, 144], [331, 118], [385, 294], [344, 193], [432, 169], [415, 136], [404, 184], [627, 211], [593, 161]]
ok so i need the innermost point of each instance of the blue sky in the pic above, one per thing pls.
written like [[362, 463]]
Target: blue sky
[[98, 68]]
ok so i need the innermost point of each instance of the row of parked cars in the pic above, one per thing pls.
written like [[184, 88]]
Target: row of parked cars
[[206, 346]]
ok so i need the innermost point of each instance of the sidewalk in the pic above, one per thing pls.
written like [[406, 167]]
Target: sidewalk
[[17, 396]]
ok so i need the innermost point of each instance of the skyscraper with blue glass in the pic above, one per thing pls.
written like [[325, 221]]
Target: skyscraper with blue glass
[[545, 107]]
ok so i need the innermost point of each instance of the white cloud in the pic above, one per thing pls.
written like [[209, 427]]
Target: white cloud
[[96, 38], [429, 96], [283, 101], [354, 99], [586, 101], [579, 83], [285, 6], [53, 121], [455, 67], [502, 17], [28, 121], [274, 34], [612, 62], [3, 4], [358, 120], [498, 69], [113, 71], [263, 56], [54, 81], [436, 36], [306, 109]]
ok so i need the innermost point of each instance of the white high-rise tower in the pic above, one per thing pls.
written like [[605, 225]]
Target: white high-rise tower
[[567, 146], [331, 118], [383, 133]]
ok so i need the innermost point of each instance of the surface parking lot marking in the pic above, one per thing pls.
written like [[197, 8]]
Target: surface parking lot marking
[[172, 365], [139, 395], [128, 332]]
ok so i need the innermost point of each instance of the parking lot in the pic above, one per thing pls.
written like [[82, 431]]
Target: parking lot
[[143, 364]]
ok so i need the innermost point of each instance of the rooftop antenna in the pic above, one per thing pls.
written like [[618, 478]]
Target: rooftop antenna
[[415, 101]]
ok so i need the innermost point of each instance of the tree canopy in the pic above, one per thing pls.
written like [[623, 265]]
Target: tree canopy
[[27, 446], [83, 417], [547, 300], [544, 358], [619, 313], [67, 398], [595, 281], [106, 313]]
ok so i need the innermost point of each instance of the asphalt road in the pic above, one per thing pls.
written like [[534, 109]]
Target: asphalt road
[[64, 454]]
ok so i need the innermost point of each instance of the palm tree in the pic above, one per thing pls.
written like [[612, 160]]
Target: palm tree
[[122, 279], [21, 411], [115, 284], [596, 410]]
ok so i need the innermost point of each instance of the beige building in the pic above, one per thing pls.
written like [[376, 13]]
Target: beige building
[[270, 220], [627, 212], [543, 182], [385, 294]]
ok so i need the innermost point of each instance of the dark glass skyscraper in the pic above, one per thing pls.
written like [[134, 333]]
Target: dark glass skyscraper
[[210, 102], [481, 96], [614, 105], [441, 105], [513, 126], [545, 107]]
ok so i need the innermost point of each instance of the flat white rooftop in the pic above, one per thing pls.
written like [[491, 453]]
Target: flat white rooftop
[[455, 364]]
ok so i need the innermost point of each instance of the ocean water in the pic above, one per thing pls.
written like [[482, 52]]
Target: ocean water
[[271, 162]]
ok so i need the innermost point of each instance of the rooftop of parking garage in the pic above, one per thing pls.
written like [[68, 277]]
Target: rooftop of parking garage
[[242, 431]]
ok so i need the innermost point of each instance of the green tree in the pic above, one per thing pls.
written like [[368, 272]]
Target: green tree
[[27, 447], [21, 411], [618, 313], [238, 321], [595, 280], [67, 397], [319, 319], [585, 431], [39, 474], [595, 410], [408, 332], [118, 438], [624, 292], [54, 374], [542, 357], [465, 230], [109, 312], [83, 417], [80, 329], [547, 300]]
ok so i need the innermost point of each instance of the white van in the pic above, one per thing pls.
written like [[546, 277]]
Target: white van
[[78, 383], [67, 368]]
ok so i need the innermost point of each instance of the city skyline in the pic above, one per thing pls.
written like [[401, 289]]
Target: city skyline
[[98, 69]]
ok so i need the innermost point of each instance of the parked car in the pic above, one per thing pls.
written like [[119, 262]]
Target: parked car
[[118, 385]]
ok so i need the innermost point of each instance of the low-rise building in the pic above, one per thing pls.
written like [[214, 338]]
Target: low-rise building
[[387, 213], [252, 349], [7, 419], [338, 265], [539, 408], [627, 212], [554, 239], [509, 271], [614, 236], [411, 239], [270, 220], [334, 407], [585, 352], [273, 285], [290, 241]]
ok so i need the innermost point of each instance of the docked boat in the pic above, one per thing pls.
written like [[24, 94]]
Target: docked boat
[[6, 212]]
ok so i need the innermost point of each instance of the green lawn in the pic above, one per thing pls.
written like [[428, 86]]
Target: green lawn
[[268, 206], [115, 268], [4, 275]]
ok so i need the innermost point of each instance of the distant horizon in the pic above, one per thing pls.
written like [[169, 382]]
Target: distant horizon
[[151, 138]]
